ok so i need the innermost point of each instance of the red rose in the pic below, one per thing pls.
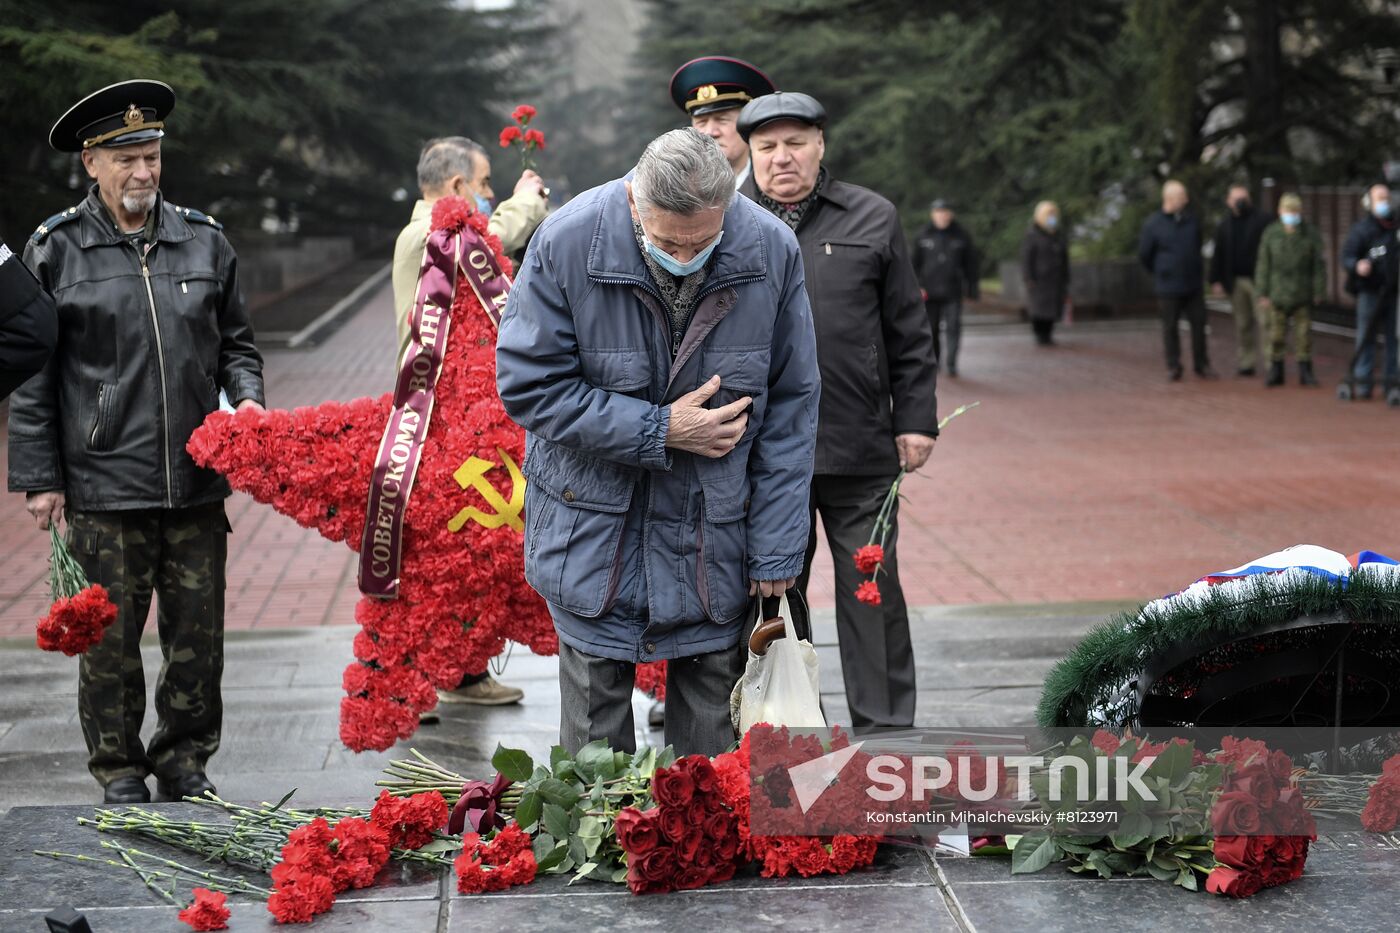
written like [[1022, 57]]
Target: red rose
[[692, 878], [722, 872], [674, 824], [701, 772], [718, 825], [657, 865], [1241, 851], [1235, 814], [690, 844], [523, 114], [637, 832], [640, 884], [1290, 815], [509, 135], [1281, 765], [868, 558], [672, 787], [207, 910], [1233, 882], [869, 593]]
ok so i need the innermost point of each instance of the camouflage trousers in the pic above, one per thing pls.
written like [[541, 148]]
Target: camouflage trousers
[[1298, 320], [178, 556]]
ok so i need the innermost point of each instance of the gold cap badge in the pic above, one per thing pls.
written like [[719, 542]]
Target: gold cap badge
[[133, 115]]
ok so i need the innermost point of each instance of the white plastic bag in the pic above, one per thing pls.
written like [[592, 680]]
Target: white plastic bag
[[781, 686]]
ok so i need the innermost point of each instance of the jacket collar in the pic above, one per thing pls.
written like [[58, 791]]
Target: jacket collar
[[99, 229], [614, 254]]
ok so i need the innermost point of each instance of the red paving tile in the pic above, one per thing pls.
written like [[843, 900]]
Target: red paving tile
[[1083, 476]]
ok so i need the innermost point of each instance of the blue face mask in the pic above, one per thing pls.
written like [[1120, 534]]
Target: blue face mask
[[1382, 209], [483, 205], [1052, 222], [675, 266], [1290, 219]]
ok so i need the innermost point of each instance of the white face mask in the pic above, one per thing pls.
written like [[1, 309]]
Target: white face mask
[[673, 265]]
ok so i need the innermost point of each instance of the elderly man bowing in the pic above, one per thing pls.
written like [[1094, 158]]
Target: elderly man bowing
[[658, 350], [878, 368]]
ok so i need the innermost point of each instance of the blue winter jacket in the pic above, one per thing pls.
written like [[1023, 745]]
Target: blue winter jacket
[[642, 552]]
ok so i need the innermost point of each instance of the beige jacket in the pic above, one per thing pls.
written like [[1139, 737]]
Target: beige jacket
[[513, 220]]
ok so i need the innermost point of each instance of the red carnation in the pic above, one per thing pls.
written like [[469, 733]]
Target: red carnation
[[534, 138], [300, 896], [74, 624], [509, 135], [207, 910], [410, 822], [523, 114], [869, 593], [869, 557]]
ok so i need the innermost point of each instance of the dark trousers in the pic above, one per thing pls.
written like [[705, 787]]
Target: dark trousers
[[1173, 308], [595, 696], [946, 313], [1044, 330], [178, 555], [877, 658]]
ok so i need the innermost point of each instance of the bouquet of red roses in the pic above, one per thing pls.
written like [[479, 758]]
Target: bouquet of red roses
[[80, 612], [1262, 829]]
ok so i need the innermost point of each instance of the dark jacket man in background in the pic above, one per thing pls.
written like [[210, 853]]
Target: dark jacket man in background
[[1291, 279], [658, 350], [945, 261], [1232, 273], [152, 327], [1372, 260], [878, 369], [1170, 248], [28, 325]]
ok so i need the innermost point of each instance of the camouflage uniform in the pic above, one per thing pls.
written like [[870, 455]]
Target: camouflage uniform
[[1289, 272], [177, 554]]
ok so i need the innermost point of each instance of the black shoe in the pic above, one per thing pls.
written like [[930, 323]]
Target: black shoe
[[194, 784], [1362, 393], [1305, 373], [1205, 372], [126, 790], [1174, 374], [656, 716], [1275, 374], [1245, 372]]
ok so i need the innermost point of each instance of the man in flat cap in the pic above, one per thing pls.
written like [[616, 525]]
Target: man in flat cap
[[878, 411], [711, 91], [152, 328]]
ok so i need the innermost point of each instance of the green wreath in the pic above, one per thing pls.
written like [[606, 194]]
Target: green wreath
[[1096, 684]]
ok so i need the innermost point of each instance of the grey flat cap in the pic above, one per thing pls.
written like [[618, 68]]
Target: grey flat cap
[[780, 105]]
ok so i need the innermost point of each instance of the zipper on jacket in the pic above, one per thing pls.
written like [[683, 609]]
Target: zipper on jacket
[[160, 360], [97, 422]]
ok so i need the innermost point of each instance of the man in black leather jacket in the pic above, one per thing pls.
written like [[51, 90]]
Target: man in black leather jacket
[[152, 326]]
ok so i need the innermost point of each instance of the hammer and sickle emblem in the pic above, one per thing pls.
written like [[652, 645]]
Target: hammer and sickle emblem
[[472, 475]]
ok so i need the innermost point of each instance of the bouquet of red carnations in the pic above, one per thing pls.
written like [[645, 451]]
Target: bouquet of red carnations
[[80, 612]]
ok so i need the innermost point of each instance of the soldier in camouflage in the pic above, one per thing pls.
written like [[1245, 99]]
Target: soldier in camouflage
[[1289, 278], [152, 328]]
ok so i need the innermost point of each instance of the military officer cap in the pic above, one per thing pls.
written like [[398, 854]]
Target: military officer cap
[[780, 105], [120, 114], [704, 85]]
